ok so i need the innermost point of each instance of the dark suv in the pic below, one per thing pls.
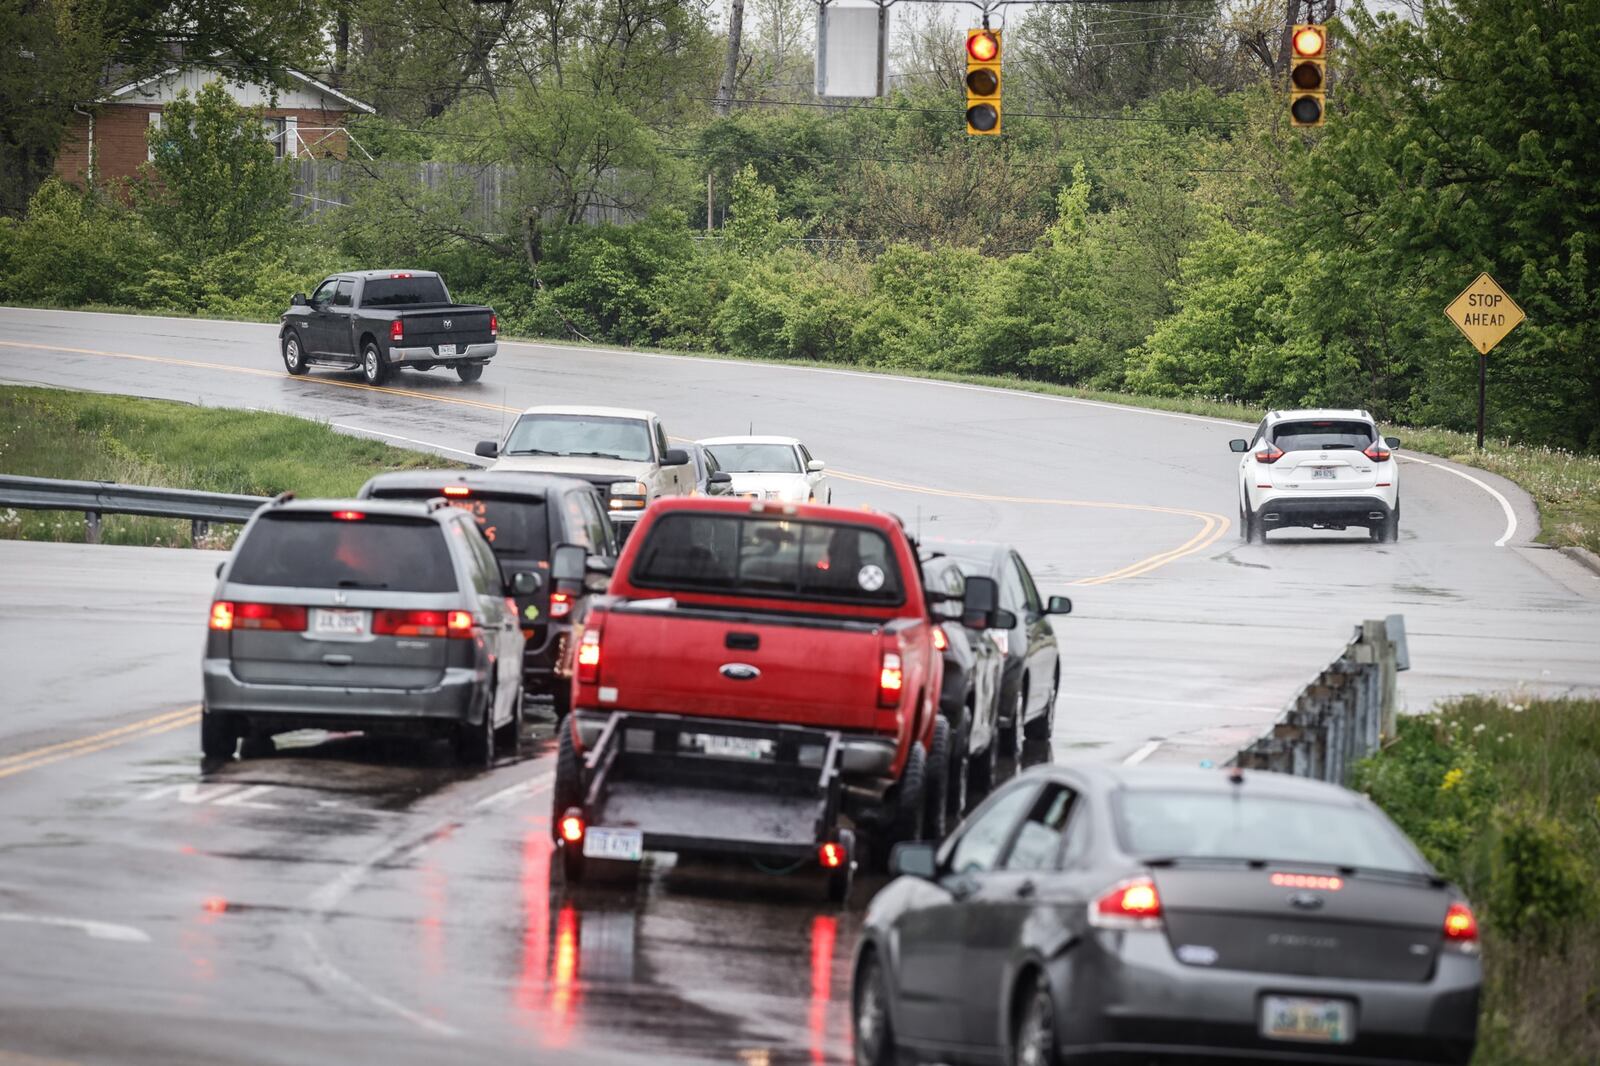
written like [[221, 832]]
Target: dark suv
[[369, 615], [524, 517]]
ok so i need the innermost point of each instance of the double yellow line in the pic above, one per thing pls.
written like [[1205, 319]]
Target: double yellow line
[[70, 749]]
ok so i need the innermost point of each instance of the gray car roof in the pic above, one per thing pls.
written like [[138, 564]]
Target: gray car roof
[[1158, 778], [395, 508], [500, 481]]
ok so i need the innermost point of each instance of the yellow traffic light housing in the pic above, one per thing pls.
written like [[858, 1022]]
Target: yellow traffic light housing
[[1308, 74], [983, 82]]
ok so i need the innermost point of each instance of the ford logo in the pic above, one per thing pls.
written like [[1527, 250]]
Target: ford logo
[[739, 672], [449, 324]]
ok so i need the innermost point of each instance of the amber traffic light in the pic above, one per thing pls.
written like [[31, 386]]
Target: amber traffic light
[[1308, 74], [983, 82]]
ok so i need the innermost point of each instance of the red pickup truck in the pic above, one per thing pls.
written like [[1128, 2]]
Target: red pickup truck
[[757, 674]]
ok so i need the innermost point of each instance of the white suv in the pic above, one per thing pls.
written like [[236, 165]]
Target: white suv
[[1320, 470]]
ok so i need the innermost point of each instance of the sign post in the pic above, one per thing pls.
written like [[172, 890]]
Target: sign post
[[1484, 314]]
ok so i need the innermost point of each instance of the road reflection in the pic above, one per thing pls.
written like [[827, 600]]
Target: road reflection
[[824, 934]]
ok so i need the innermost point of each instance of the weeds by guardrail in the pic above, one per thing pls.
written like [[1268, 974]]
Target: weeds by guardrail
[[95, 498], [1343, 715]]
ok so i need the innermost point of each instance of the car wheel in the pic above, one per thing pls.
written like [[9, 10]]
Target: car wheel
[[510, 738], [469, 372], [1041, 727], [257, 746], [374, 367], [909, 795], [869, 1017], [475, 741], [1033, 1042], [294, 358], [219, 735], [985, 770], [960, 774], [935, 791], [1388, 531], [1253, 533], [1010, 735]]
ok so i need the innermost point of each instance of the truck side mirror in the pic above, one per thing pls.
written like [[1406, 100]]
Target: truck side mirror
[[297, 300], [674, 457], [982, 599], [1238, 445], [569, 562], [486, 448], [1000, 618], [719, 484]]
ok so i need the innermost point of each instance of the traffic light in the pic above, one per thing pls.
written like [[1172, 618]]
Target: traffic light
[[983, 82], [1308, 74]]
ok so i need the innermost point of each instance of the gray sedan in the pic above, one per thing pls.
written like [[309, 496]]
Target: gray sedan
[[1091, 913]]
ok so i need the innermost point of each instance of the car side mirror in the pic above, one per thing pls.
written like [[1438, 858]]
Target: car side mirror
[[486, 448], [674, 457], [1393, 443], [719, 484], [916, 858], [297, 300], [526, 582], [1058, 605], [569, 562], [1238, 445], [816, 466], [1000, 618]]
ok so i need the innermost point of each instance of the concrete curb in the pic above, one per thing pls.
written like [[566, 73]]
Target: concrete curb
[[1583, 556]]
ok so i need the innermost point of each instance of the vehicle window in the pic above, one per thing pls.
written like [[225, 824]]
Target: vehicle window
[[480, 583], [341, 296], [579, 522], [661, 442], [492, 584], [805, 456], [404, 292], [1240, 825], [712, 466], [596, 526], [1030, 591], [1013, 597], [511, 526], [748, 556], [978, 847], [1038, 843], [1322, 435], [756, 458], [1261, 432], [324, 293], [590, 436], [311, 550]]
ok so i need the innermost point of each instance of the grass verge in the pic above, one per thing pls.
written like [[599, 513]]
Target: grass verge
[[94, 437], [1504, 798]]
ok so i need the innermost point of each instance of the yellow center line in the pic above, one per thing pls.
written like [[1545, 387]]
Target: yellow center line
[[112, 738], [132, 727]]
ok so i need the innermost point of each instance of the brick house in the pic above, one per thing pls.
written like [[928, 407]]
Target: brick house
[[306, 119]]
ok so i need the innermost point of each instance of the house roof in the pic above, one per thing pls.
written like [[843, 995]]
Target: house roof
[[298, 75]]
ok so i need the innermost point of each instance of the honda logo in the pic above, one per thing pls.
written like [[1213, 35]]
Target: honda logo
[[340, 598], [739, 672]]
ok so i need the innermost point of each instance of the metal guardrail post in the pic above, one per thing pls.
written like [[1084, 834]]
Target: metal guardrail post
[[91, 527]]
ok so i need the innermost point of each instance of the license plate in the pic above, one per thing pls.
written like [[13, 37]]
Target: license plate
[[1313, 1021], [447, 349], [1322, 473], [626, 845], [335, 622], [731, 747]]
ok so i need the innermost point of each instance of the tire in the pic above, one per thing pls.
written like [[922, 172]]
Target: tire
[[984, 771], [374, 367], [1253, 533], [1388, 531], [937, 782], [294, 357], [257, 747], [871, 1027], [567, 791], [510, 735], [1033, 1037], [1008, 736], [475, 740], [219, 735], [908, 803], [960, 778], [561, 699], [469, 372], [1041, 727]]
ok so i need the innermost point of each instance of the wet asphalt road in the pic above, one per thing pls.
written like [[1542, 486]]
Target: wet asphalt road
[[341, 901]]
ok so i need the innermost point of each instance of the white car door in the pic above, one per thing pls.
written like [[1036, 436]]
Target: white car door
[[821, 491]]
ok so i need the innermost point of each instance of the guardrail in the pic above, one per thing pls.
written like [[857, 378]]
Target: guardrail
[[1341, 717], [96, 498]]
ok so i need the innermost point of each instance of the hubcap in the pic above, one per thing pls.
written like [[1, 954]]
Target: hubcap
[[1034, 1039], [294, 352], [372, 364], [869, 1022]]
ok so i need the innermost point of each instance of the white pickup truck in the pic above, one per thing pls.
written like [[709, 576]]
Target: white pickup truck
[[622, 451]]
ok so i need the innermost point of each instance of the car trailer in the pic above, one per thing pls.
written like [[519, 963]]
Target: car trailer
[[710, 786]]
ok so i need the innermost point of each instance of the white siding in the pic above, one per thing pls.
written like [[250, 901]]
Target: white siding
[[166, 90]]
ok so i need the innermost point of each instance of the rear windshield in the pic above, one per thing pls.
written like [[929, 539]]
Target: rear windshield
[[515, 526], [752, 556], [319, 551], [1238, 825], [756, 458], [1321, 436], [403, 292]]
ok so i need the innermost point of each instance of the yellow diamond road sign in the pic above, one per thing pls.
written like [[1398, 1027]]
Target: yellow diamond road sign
[[1484, 313]]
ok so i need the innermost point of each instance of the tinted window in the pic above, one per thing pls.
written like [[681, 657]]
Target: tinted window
[[595, 436], [749, 556], [1239, 825], [403, 292], [512, 526], [489, 569], [1038, 843], [319, 551], [324, 292], [756, 458], [341, 298], [979, 846], [1029, 592], [1322, 435]]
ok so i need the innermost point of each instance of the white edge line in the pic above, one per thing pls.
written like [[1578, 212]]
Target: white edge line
[[395, 436], [1142, 754], [126, 934], [1505, 504]]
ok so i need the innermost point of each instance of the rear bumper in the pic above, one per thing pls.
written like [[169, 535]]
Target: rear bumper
[[456, 698], [1355, 510], [472, 353], [1130, 999]]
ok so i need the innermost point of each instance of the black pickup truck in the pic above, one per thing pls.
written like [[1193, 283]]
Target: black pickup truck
[[380, 319]]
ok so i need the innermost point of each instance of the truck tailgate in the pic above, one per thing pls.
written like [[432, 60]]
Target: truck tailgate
[[817, 673]]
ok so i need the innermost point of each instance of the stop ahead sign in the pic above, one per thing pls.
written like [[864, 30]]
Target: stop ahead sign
[[1484, 313]]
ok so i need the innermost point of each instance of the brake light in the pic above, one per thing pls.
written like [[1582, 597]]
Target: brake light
[[457, 490], [349, 516], [589, 657], [572, 825], [1314, 881], [222, 615], [494, 324], [410, 623], [940, 641], [1269, 455], [831, 855], [281, 617], [1132, 904], [392, 276], [397, 330], [891, 679], [560, 604], [1377, 453], [460, 625], [1461, 927]]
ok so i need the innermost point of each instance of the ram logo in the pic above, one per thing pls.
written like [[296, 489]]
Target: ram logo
[[739, 671], [449, 324]]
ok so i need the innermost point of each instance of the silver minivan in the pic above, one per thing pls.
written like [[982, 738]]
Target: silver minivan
[[363, 615]]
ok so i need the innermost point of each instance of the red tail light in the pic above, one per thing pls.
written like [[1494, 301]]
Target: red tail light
[[1377, 453], [940, 641], [1132, 904], [1270, 454], [1461, 927], [397, 330], [494, 324], [589, 657], [1315, 881], [460, 625], [409, 623], [222, 615], [349, 516], [456, 491], [831, 855], [560, 604], [572, 825], [891, 679], [282, 617]]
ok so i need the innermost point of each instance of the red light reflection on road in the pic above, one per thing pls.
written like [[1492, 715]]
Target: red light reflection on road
[[824, 932], [547, 997]]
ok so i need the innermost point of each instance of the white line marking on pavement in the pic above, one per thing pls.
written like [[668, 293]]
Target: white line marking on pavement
[[512, 793], [1142, 754], [126, 934], [1505, 504], [243, 799], [191, 792], [395, 436]]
